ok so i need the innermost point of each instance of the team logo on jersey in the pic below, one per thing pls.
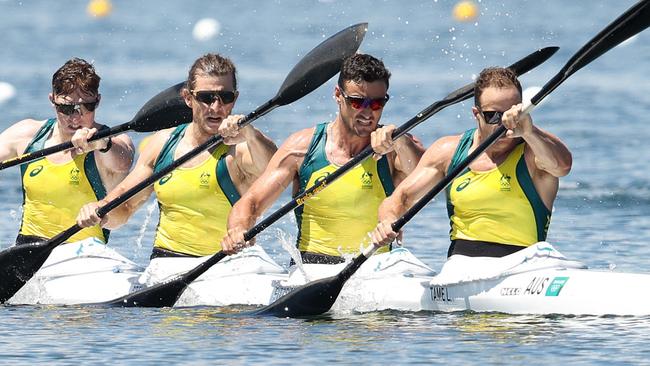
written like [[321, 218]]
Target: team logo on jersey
[[34, 172], [366, 180], [505, 183], [74, 176], [165, 179], [204, 179], [321, 178], [463, 184]]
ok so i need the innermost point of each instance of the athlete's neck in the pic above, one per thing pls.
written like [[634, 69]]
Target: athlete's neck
[[196, 134], [346, 141]]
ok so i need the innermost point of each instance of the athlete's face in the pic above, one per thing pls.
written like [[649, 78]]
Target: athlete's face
[[360, 118], [75, 110], [208, 113], [494, 100]]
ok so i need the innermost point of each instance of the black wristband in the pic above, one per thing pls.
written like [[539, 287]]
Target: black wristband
[[108, 146]]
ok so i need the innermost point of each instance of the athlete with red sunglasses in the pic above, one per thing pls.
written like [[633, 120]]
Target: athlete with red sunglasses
[[336, 220]]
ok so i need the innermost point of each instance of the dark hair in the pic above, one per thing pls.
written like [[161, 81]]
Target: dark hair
[[212, 64], [361, 67], [496, 77], [75, 74]]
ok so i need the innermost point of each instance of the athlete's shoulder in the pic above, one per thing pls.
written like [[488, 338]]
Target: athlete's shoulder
[[300, 139]]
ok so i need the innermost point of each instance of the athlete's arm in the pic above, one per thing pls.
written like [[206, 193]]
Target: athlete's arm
[[404, 153], [429, 171], [14, 139], [550, 154], [253, 152], [280, 172], [143, 169]]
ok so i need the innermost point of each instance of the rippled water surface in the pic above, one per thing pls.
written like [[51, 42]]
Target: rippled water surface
[[600, 216]]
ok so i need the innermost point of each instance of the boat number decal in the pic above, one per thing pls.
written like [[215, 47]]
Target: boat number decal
[[439, 293], [556, 286], [510, 291], [536, 286]]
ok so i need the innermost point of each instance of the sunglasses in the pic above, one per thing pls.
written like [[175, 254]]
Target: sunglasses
[[492, 117], [363, 102], [70, 109], [210, 96]]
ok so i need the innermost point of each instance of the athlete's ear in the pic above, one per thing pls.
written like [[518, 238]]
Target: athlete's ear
[[187, 96], [477, 113], [51, 97]]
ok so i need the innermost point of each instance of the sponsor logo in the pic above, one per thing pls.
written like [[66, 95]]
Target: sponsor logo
[[536, 286], [510, 291], [74, 176], [556, 286], [463, 184], [321, 178], [165, 179], [439, 293], [366, 180], [505, 183], [34, 172], [204, 180]]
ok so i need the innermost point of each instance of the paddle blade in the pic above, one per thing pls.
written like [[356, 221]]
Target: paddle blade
[[633, 21], [320, 64], [533, 60], [17, 265], [160, 295], [314, 298], [166, 109]]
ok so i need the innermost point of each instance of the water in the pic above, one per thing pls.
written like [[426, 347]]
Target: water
[[600, 216]]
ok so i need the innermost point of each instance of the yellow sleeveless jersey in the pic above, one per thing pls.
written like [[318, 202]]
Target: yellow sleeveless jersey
[[500, 205], [338, 219], [53, 193], [194, 202]]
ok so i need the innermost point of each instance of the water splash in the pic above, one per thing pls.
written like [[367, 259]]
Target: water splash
[[143, 228]]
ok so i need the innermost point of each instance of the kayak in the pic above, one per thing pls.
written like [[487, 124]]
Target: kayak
[[535, 280], [392, 280], [90, 272], [245, 278], [80, 272]]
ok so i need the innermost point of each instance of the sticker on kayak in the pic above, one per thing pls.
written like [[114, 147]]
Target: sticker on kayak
[[556, 286]]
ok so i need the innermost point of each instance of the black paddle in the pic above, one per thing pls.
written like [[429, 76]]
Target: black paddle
[[317, 297], [166, 109], [313, 70], [166, 294]]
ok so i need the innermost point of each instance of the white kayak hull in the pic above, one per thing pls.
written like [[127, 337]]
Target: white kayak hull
[[536, 280], [81, 272], [242, 279]]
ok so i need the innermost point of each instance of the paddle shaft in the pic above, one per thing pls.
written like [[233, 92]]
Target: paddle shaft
[[25, 158], [520, 67]]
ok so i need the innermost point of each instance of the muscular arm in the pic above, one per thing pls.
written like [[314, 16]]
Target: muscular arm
[[550, 154], [253, 155], [429, 171], [143, 169], [14, 140], [407, 155], [114, 164], [280, 172]]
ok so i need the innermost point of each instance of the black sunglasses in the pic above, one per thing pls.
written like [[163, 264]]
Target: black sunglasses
[[70, 109], [364, 102], [492, 117], [210, 96]]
